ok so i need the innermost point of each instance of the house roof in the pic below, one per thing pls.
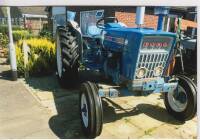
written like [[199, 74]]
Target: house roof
[[33, 10], [19, 11]]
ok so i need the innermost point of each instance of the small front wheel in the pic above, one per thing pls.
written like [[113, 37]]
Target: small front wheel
[[91, 112], [182, 102]]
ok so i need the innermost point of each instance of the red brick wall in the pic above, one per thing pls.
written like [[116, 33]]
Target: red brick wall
[[188, 23], [129, 19], [149, 20]]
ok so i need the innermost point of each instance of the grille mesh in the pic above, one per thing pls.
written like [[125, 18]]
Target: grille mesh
[[151, 60]]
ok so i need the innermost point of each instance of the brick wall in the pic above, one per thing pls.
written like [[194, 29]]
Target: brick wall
[[149, 20], [129, 19], [187, 23]]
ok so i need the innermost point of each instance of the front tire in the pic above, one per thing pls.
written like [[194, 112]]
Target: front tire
[[91, 112], [67, 56], [182, 102]]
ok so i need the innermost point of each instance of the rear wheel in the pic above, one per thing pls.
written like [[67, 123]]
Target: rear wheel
[[67, 56], [91, 112], [182, 102]]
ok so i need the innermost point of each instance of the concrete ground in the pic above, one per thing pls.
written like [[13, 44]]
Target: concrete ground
[[124, 117], [21, 116]]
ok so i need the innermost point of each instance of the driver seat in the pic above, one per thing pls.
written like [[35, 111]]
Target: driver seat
[[95, 33]]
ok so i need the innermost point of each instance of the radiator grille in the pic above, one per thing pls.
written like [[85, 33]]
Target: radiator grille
[[151, 60]]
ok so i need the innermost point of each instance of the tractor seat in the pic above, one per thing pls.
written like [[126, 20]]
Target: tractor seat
[[95, 33]]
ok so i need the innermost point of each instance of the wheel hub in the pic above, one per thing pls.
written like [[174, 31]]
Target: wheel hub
[[180, 96], [178, 99], [84, 110]]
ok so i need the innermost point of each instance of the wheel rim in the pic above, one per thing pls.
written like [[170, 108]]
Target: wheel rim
[[84, 110], [178, 99], [59, 57]]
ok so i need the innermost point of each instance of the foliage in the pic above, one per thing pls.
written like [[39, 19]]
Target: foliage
[[41, 59], [20, 60], [46, 34], [21, 34], [3, 40], [18, 33], [4, 29]]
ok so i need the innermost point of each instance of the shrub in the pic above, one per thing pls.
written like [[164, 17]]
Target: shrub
[[41, 58], [21, 34], [20, 60], [46, 34], [3, 40], [4, 28]]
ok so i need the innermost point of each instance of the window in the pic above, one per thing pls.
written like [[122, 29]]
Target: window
[[88, 21]]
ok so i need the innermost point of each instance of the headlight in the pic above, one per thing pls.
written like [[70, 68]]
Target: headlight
[[141, 72], [158, 71]]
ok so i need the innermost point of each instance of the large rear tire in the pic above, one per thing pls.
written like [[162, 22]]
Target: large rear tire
[[182, 103], [91, 112], [67, 55]]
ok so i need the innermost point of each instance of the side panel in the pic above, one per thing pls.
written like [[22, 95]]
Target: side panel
[[171, 56], [114, 40], [130, 55]]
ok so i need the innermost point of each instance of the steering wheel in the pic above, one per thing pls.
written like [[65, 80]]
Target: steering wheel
[[102, 25]]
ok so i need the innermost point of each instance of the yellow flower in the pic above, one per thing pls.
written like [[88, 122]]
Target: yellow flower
[[41, 57]]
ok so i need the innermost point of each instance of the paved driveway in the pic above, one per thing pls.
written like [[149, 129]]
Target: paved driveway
[[124, 117], [39, 108]]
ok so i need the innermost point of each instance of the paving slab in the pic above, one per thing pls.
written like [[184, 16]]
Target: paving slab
[[167, 131], [20, 114], [124, 117], [123, 129]]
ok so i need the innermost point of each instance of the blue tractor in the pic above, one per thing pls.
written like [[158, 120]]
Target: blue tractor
[[136, 59]]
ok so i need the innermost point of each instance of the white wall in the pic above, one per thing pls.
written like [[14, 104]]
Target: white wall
[[59, 17]]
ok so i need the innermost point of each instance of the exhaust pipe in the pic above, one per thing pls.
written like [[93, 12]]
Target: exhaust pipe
[[160, 22], [140, 11]]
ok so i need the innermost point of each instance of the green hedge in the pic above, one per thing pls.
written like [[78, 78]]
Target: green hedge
[[21, 34], [4, 28], [45, 33], [18, 33]]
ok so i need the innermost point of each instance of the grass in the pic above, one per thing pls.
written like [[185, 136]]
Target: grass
[[126, 120], [149, 131]]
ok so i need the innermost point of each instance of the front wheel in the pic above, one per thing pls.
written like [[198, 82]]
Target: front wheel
[[91, 112], [182, 102]]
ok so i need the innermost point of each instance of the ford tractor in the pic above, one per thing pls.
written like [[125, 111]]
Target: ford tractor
[[135, 59]]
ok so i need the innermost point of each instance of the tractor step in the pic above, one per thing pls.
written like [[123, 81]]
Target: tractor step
[[112, 93]]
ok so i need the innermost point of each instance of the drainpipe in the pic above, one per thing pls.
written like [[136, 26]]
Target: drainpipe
[[140, 11], [193, 29], [11, 49], [160, 22], [168, 21]]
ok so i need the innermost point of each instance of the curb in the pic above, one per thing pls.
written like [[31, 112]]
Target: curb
[[22, 80]]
